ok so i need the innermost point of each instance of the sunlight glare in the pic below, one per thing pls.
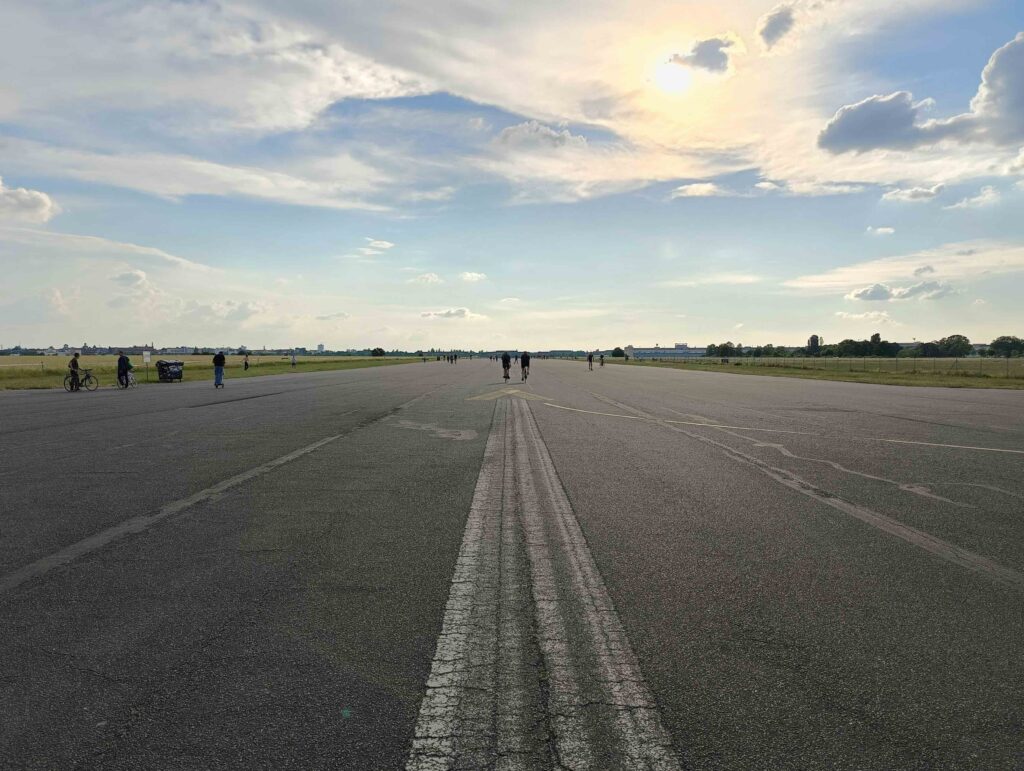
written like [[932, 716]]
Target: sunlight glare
[[672, 78]]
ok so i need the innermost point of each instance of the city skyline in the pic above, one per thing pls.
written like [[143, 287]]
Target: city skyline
[[542, 176]]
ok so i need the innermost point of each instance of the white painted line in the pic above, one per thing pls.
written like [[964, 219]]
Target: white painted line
[[532, 668], [930, 543], [143, 522], [652, 419], [455, 719], [643, 742]]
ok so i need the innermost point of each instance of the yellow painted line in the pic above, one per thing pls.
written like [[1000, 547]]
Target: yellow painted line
[[784, 431]]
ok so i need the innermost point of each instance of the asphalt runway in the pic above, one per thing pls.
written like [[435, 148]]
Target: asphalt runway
[[423, 567]]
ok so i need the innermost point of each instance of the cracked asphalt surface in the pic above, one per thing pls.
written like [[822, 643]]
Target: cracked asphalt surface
[[290, 620]]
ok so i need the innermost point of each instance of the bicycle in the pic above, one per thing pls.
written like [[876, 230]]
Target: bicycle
[[526, 373], [86, 380], [129, 381], [506, 369]]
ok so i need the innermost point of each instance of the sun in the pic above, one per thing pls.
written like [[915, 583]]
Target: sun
[[672, 78]]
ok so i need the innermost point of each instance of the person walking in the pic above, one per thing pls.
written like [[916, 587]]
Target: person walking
[[524, 365], [602, 359], [73, 366], [122, 369], [245, 363], [590, 361], [294, 359], [218, 370]]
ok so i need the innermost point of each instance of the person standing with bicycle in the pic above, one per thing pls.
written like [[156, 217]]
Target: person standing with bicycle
[[73, 366], [123, 365]]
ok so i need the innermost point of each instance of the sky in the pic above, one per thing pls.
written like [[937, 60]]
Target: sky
[[484, 174]]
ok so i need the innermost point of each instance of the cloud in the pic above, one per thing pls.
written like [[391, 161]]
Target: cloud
[[924, 290], [775, 25], [957, 261], [924, 270], [452, 313], [980, 301], [61, 244], [699, 190], [882, 231], [711, 55], [738, 326], [988, 196], [471, 277], [533, 134], [341, 183], [894, 121], [874, 292], [725, 279], [367, 251], [339, 316], [374, 243], [17, 204], [509, 300], [426, 278], [913, 194], [882, 122], [876, 317], [130, 278]]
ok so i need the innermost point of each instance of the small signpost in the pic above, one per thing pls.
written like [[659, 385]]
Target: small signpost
[[146, 356]]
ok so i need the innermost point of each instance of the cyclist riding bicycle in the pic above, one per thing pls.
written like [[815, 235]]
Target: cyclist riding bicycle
[[506, 364], [524, 364]]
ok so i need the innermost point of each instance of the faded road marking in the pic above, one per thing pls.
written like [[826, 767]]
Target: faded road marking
[[533, 669], [942, 549], [652, 419], [458, 434], [506, 392]]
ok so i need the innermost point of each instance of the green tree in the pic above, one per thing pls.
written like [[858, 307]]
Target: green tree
[[377, 352], [1007, 345], [618, 353], [955, 345]]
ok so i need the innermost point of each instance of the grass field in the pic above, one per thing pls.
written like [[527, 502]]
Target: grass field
[[49, 371], [975, 372]]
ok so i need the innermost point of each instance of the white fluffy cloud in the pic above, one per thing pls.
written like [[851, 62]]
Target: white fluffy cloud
[[987, 196], [956, 261], [376, 243], [895, 121], [18, 204], [913, 194], [699, 190], [880, 231], [535, 134], [776, 24], [923, 290], [472, 277]]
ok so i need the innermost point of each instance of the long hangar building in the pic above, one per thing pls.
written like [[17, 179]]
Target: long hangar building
[[678, 351]]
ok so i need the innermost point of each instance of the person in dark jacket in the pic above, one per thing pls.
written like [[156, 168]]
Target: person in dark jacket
[[218, 370], [122, 369]]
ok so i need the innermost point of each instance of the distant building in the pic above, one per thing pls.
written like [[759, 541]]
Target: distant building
[[320, 348], [678, 351]]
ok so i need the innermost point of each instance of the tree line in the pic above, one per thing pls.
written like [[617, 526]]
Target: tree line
[[953, 346]]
